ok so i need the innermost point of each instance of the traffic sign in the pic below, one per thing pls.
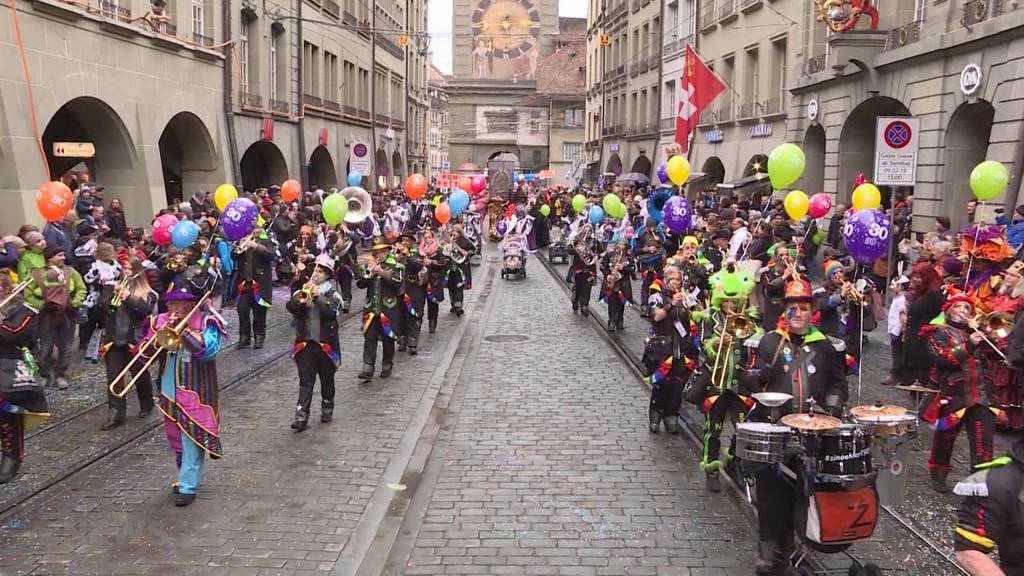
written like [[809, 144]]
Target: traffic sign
[[74, 149], [896, 147], [359, 159]]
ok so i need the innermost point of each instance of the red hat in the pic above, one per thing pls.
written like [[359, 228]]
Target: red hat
[[958, 297], [797, 290]]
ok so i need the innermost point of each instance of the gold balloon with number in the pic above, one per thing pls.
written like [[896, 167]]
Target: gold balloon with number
[[678, 169], [866, 196], [223, 196], [796, 203]]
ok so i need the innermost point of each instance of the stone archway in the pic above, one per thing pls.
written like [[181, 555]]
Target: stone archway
[[614, 164], [758, 164], [398, 167], [966, 145], [321, 169], [188, 157], [857, 142], [714, 170], [383, 168], [263, 166], [813, 179], [642, 165]]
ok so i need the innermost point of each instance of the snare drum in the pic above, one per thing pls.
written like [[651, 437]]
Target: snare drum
[[762, 442], [840, 453]]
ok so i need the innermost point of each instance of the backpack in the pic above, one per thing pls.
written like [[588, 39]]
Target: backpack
[[55, 296]]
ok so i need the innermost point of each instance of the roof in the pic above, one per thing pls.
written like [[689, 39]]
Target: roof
[[436, 76], [572, 26], [563, 72]]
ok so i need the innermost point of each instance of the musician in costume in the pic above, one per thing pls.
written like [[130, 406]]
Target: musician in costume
[[1005, 304], [188, 385], [301, 254], [583, 268], [414, 293], [381, 276], [964, 401], [344, 252], [670, 351], [781, 268], [436, 264], [316, 350], [841, 307], [617, 272], [133, 302], [253, 255], [693, 266], [724, 326], [24, 410], [460, 271], [799, 360], [648, 246]]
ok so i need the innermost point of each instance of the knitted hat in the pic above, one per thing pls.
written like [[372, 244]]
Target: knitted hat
[[325, 261], [831, 267], [52, 251], [952, 266]]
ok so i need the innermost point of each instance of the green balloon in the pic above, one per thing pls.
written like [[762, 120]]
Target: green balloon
[[989, 179], [545, 210], [335, 208], [579, 202], [619, 211], [609, 202], [785, 165]]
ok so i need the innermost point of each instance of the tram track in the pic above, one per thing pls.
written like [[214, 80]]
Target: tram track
[[693, 433]]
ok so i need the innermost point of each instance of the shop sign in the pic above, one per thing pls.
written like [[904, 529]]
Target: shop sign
[[970, 79], [713, 135], [762, 130], [613, 147], [812, 110]]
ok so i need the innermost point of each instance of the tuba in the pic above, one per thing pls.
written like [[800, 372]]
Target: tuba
[[581, 245], [359, 204]]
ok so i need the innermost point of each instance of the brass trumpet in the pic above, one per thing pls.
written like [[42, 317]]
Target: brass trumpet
[[18, 289], [122, 286], [850, 292], [166, 339]]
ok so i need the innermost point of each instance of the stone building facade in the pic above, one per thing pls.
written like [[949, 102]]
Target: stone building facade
[[440, 120]]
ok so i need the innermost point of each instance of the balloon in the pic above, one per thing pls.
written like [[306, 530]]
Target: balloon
[[678, 169], [465, 183], [54, 200], [866, 196], [162, 227], [223, 196], [334, 209], [866, 235], [662, 175], [415, 186], [443, 213], [458, 201], [989, 179], [658, 198], [579, 202], [820, 204], [290, 190], [354, 178], [239, 218], [545, 210], [609, 202], [619, 212], [796, 204], [184, 234], [677, 214], [655, 215], [595, 215], [477, 184], [501, 227], [785, 165]]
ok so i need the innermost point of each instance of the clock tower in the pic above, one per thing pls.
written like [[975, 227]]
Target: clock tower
[[502, 40]]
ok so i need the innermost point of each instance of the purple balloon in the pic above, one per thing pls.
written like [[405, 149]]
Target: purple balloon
[[677, 215], [866, 234], [501, 227], [239, 218], [662, 175]]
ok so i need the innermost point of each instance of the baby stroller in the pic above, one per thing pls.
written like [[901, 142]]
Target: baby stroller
[[513, 256]]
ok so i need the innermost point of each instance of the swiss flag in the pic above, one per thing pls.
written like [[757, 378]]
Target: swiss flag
[[697, 89]]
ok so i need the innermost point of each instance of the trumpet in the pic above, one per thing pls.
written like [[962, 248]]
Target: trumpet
[[14, 293], [176, 262], [166, 339], [122, 287], [303, 295], [851, 293], [242, 242]]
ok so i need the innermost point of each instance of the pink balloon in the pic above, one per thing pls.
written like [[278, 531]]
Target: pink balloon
[[819, 205], [478, 184], [162, 227]]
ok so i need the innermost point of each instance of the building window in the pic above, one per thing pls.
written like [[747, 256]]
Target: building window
[[752, 77], [310, 70], [534, 122], [278, 64], [243, 54], [500, 121], [571, 151], [198, 19], [364, 89], [670, 99], [537, 157], [330, 77], [778, 78], [274, 94], [350, 83]]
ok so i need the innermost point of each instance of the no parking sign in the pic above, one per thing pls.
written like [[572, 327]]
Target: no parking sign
[[896, 146]]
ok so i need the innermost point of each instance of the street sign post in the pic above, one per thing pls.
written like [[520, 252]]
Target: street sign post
[[359, 158], [896, 146], [74, 149]]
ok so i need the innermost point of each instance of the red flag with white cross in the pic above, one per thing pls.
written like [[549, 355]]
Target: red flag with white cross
[[697, 89]]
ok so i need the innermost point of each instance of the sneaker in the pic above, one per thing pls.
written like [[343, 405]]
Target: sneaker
[[62, 383], [654, 420], [385, 370], [184, 499], [367, 373], [712, 482]]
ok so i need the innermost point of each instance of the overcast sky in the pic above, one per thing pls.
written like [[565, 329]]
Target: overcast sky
[[439, 23]]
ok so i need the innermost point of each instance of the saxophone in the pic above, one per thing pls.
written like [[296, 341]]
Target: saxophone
[[616, 265]]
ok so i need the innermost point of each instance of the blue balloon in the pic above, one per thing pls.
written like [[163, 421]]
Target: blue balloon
[[458, 201], [184, 234], [654, 214], [596, 214], [355, 178]]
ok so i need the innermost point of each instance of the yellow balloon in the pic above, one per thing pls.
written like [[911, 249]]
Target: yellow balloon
[[223, 195], [796, 203], [866, 196], [678, 169]]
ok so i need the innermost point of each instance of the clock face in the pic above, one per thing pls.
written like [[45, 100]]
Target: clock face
[[509, 28]]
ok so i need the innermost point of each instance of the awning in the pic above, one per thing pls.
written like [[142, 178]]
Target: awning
[[755, 181]]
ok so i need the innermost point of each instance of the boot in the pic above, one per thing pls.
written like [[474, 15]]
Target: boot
[[326, 411], [611, 326], [345, 306], [575, 307], [145, 411], [8, 469], [115, 419], [712, 481], [259, 341], [401, 344], [243, 342], [184, 499], [457, 309], [432, 325], [654, 418], [584, 311], [367, 373], [385, 370], [413, 342], [767, 560], [671, 423], [939, 481], [301, 420]]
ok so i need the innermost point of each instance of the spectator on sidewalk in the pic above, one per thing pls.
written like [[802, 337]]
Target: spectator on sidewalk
[[32, 257], [58, 234], [56, 291]]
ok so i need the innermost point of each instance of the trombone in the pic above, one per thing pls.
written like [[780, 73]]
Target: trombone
[[740, 327], [21, 286], [166, 339], [996, 325]]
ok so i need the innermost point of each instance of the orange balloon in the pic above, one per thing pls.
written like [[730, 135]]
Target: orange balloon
[[54, 200], [466, 183], [415, 186], [290, 190], [443, 213]]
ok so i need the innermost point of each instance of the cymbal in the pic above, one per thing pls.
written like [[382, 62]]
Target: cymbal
[[877, 411], [915, 388], [811, 421]]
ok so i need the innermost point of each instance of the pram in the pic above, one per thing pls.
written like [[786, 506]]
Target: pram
[[513, 256]]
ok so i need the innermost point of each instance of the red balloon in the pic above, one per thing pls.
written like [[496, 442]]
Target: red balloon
[[443, 213], [162, 227], [54, 200], [478, 184], [415, 186], [466, 184], [290, 190]]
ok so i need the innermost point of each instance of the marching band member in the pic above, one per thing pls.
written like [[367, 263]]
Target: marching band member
[[316, 351], [301, 254], [253, 256], [133, 301], [669, 353], [345, 253], [1006, 387], [460, 274], [795, 359], [693, 267], [382, 277], [585, 250], [649, 249], [617, 272], [188, 385], [436, 264], [780, 270], [414, 293], [842, 307]]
